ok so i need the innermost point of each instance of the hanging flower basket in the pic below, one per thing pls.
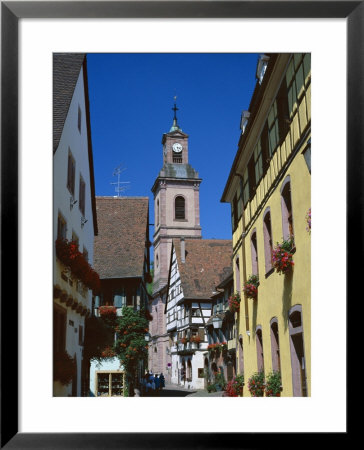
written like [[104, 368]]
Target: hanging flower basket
[[234, 303], [251, 286], [283, 256]]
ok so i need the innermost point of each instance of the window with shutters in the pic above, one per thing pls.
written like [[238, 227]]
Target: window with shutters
[[79, 118], [71, 173], [273, 129], [245, 187], [298, 79], [260, 355], [59, 328], [286, 203], [276, 359], [179, 208], [254, 252], [268, 241], [82, 193], [258, 162]]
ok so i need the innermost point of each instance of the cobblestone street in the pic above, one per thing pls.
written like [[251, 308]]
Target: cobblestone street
[[172, 390]]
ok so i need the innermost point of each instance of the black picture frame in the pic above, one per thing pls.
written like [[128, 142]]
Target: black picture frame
[[11, 12]]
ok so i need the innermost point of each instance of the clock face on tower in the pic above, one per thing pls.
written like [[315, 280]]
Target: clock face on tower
[[177, 147]]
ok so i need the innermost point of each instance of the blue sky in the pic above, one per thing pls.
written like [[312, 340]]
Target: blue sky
[[131, 96]]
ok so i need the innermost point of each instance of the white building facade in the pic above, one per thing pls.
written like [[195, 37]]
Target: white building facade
[[188, 307], [74, 214]]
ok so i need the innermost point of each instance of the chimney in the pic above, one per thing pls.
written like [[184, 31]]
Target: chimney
[[183, 250]]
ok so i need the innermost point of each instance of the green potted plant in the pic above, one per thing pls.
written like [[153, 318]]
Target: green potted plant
[[273, 385], [251, 286], [256, 384]]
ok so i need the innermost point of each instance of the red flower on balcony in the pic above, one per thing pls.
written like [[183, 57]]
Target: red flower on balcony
[[68, 253]]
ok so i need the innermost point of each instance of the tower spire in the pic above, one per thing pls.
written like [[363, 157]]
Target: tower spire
[[175, 126]]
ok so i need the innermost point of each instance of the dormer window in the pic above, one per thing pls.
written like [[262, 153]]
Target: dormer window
[[262, 67]]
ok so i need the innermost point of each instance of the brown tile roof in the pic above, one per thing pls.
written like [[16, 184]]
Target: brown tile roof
[[120, 244], [207, 263], [66, 69]]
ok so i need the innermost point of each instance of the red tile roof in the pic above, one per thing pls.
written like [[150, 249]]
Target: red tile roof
[[120, 244], [207, 263]]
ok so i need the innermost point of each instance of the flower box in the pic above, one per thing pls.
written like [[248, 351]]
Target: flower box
[[282, 256], [234, 303], [251, 287]]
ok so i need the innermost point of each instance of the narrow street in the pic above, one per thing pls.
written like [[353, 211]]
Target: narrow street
[[172, 390]]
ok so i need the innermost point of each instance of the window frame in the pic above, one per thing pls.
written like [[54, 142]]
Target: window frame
[[71, 173]]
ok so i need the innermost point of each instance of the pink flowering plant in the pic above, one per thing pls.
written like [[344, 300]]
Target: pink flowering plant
[[308, 220], [251, 286], [256, 384], [282, 256], [234, 302]]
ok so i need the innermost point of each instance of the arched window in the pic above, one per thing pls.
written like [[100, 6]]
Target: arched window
[[260, 355], [179, 208], [237, 274], [254, 249], [298, 361], [157, 218], [268, 241], [286, 203], [276, 359]]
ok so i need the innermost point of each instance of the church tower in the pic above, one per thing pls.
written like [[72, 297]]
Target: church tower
[[176, 193]]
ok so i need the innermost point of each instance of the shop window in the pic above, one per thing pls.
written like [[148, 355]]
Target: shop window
[[109, 384]]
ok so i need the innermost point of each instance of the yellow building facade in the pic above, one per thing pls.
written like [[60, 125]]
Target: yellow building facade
[[269, 188]]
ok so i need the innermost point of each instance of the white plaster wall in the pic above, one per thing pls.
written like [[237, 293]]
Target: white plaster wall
[[78, 144]]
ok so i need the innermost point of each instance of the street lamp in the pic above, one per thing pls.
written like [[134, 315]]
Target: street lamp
[[217, 322]]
